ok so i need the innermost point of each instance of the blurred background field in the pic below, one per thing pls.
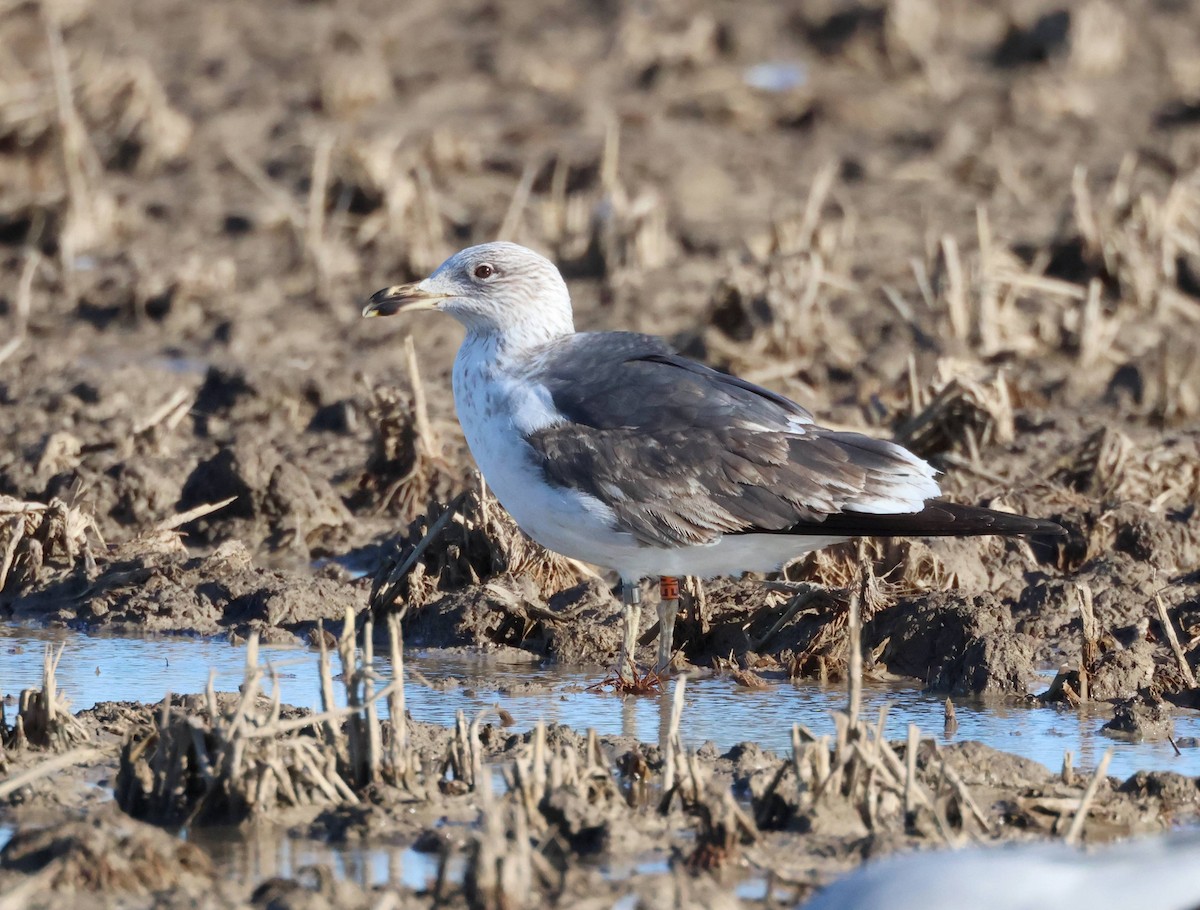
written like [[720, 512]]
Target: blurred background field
[[974, 227], [971, 226], [855, 203]]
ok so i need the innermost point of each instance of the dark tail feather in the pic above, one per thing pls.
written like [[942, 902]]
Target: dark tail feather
[[937, 519]]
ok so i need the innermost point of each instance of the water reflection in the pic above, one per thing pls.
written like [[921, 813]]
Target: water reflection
[[99, 668], [260, 852]]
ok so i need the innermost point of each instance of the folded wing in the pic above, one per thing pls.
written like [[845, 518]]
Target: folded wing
[[683, 454]]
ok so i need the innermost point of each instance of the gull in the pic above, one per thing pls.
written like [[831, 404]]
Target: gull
[[610, 448], [1151, 873]]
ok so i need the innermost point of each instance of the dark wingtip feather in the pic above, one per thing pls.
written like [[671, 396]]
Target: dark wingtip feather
[[937, 519], [991, 521], [1047, 528]]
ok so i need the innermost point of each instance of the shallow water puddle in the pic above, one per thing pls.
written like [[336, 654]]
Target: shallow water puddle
[[255, 854], [98, 668]]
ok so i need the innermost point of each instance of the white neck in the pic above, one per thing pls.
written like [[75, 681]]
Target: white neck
[[519, 337]]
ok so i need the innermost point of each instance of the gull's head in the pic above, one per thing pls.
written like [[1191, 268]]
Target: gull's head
[[492, 289]]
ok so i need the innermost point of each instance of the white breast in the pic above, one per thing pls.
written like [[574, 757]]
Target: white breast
[[497, 409]]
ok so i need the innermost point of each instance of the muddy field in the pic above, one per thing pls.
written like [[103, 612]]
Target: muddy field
[[974, 228]]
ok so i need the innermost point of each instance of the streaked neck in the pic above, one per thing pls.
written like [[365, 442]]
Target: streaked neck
[[517, 339]]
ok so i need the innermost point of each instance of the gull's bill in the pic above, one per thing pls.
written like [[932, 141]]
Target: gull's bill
[[401, 298]]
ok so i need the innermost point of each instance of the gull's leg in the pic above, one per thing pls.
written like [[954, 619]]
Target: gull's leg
[[668, 609], [631, 601]]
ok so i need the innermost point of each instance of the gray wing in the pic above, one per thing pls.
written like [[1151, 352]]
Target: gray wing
[[683, 454]]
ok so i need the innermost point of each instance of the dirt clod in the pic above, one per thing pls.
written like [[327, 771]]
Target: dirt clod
[[969, 226]]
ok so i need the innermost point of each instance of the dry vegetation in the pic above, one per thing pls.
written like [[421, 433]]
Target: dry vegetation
[[975, 227], [569, 802]]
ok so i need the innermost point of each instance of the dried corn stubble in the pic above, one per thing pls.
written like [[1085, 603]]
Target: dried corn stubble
[[225, 759], [1134, 252], [1099, 38], [465, 543], [557, 801], [958, 411], [1110, 466], [35, 537], [777, 308], [129, 114], [44, 718], [353, 74], [1139, 234], [223, 764], [563, 800], [604, 226], [898, 566], [830, 651], [592, 220], [408, 467], [858, 769], [397, 181]]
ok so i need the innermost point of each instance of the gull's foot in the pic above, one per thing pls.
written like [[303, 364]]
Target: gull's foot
[[632, 682]]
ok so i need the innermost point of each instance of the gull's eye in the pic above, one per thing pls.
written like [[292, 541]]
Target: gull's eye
[[484, 271]]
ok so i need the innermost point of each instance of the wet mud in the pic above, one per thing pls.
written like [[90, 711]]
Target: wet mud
[[971, 229]]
